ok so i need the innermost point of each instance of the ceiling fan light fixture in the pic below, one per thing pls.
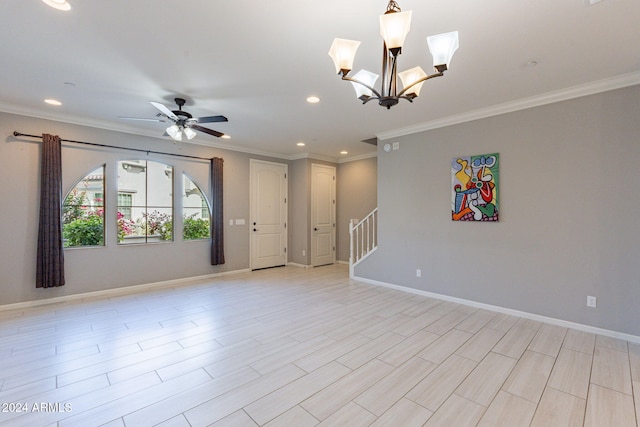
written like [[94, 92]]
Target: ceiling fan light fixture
[[175, 132], [189, 133], [184, 124]]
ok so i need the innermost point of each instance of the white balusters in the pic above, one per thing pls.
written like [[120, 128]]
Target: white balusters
[[363, 239]]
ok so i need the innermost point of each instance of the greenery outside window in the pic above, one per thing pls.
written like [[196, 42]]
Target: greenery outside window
[[83, 212], [196, 210], [145, 202]]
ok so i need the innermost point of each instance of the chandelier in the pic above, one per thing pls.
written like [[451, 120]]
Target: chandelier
[[394, 27]]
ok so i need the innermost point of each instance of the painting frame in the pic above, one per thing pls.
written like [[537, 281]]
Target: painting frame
[[475, 183]]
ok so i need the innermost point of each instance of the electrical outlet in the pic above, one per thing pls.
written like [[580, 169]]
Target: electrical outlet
[[418, 273], [396, 146], [591, 301], [304, 253]]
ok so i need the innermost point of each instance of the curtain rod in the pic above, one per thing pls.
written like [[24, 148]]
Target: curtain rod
[[16, 134]]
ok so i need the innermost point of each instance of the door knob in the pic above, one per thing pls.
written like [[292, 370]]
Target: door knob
[[255, 229], [315, 228]]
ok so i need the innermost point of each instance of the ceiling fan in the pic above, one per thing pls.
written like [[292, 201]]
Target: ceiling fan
[[183, 122]]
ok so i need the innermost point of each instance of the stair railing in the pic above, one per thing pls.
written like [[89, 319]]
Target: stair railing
[[363, 239]]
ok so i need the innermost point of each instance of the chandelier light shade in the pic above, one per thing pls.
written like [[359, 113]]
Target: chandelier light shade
[[364, 90], [410, 79], [394, 27], [58, 4], [442, 47], [343, 52]]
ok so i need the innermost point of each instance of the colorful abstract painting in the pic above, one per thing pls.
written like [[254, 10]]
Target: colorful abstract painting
[[474, 188]]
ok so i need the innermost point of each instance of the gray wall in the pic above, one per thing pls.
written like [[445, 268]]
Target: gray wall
[[114, 266], [357, 195], [299, 211], [111, 266], [570, 174]]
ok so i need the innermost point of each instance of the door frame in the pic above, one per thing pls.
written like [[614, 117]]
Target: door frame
[[284, 206], [313, 214]]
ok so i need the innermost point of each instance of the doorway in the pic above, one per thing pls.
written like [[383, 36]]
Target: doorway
[[323, 214], [268, 223]]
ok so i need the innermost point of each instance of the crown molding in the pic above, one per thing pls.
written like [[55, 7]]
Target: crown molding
[[35, 114], [313, 156], [586, 89], [360, 157], [10, 109]]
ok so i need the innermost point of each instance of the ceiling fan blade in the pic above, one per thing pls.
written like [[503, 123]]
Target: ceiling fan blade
[[212, 119], [141, 119], [206, 130], [164, 110]]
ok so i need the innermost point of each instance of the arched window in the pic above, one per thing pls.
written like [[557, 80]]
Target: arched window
[[195, 211], [83, 212], [145, 202]]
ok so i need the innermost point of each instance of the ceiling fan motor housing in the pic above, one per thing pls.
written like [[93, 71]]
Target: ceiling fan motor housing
[[180, 102]]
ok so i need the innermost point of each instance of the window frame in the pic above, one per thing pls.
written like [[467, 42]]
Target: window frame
[[85, 213], [126, 226], [205, 209]]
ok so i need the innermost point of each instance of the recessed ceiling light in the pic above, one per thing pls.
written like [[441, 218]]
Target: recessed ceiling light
[[226, 137], [58, 4], [53, 102], [300, 144], [344, 152], [313, 100]]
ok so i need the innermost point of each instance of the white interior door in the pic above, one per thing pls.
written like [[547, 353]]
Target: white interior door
[[268, 223], [323, 214]]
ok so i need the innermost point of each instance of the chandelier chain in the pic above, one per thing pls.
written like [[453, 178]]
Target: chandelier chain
[[393, 7]]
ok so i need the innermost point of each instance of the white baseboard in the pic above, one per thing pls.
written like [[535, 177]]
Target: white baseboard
[[498, 309], [295, 264], [118, 291]]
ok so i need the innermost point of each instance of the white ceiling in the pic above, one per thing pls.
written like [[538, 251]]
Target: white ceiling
[[256, 62]]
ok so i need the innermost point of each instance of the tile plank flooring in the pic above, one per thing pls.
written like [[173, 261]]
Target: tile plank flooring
[[304, 347]]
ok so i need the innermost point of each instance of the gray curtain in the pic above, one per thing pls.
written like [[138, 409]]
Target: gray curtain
[[50, 258], [217, 220]]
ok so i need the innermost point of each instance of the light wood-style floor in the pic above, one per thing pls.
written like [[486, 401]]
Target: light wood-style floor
[[304, 347]]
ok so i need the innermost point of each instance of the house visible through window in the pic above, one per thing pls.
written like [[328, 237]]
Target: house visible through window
[[83, 212], [125, 201], [145, 202]]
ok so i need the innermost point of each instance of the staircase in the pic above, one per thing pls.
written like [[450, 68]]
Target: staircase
[[363, 239]]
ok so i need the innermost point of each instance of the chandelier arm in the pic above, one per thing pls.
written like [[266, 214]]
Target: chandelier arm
[[365, 100], [376, 93], [431, 76]]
